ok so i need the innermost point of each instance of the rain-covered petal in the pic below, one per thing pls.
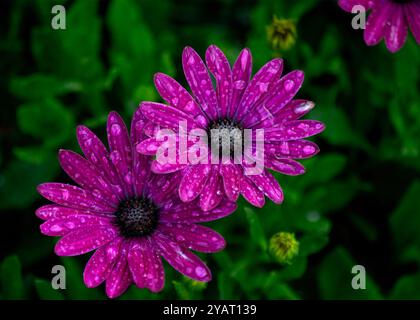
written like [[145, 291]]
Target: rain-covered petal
[[200, 82], [212, 193], [251, 193], [397, 29], [280, 94], [259, 86], [231, 174], [294, 130], [241, 74], [84, 240], [162, 168], [149, 146], [376, 23], [191, 213], [72, 196], [120, 150], [193, 181], [163, 187], [219, 66], [95, 152], [86, 175], [348, 5], [176, 95], [120, 278], [412, 13], [269, 186], [296, 149], [167, 116], [181, 259], [146, 265], [101, 263], [194, 237], [286, 166], [50, 211], [63, 225]]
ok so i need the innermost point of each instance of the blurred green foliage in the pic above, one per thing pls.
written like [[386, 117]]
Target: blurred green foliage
[[358, 202]]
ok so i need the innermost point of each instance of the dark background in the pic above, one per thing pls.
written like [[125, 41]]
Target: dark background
[[358, 203]]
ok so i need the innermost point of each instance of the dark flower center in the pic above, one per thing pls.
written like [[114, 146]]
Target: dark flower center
[[225, 134], [137, 217]]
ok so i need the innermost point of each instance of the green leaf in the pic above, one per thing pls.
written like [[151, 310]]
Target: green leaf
[[133, 53], [75, 287], [407, 288], [45, 290], [181, 290], [312, 243], [257, 232], [405, 225], [335, 277], [225, 286], [12, 282], [39, 86], [323, 168], [47, 120], [19, 180]]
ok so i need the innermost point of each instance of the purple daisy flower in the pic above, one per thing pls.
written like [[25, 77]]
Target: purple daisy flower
[[238, 103], [130, 216], [388, 20]]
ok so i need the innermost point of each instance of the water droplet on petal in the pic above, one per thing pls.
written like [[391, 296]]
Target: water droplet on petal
[[289, 84], [200, 272], [116, 129]]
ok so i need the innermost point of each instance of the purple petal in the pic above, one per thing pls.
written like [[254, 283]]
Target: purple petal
[[193, 181], [281, 93], [84, 240], [66, 224], [176, 95], [167, 116], [396, 32], [163, 187], [54, 211], [149, 146], [376, 23], [241, 74], [200, 82], [120, 278], [72, 196], [286, 166], [121, 150], [141, 163], [294, 110], [348, 5], [191, 213], [96, 153], [232, 175], [181, 259], [194, 237], [259, 86], [219, 66], [269, 186], [251, 193], [212, 193], [412, 13], [298, 149], [294, 130], [101, 263], [146, 266], [87, 176], [162, 168]]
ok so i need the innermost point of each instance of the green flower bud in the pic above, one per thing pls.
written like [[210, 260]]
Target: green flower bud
[[284, 247], [281, 34]]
